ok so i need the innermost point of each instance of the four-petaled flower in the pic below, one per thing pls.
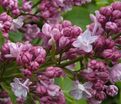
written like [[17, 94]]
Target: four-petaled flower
[[20, 89], [14, 49], [84, 41], [17, 23], [81, 90]]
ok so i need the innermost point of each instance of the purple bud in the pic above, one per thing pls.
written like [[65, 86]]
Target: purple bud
[[104, 76], [27, 5], [34, 66], [24, 58], [116, 5], [116, 14], [115, 73], [99, 85], [66, 23], [63, 42], [109, 43], [100, 95], [41, 89], [111, 26], [52, 72], [112, 90], [5, 49], [112, 54], [27, 72], [101, 18], [107, 11], [99, 44], [97, 65]]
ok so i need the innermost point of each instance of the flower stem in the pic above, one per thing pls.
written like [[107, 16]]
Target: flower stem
[[36, 4], [69, 62]]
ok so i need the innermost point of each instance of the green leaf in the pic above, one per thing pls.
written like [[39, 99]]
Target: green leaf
[[7, 88], [2, 40], [80, 15], [30, 99], [64, 83], [16, 36]]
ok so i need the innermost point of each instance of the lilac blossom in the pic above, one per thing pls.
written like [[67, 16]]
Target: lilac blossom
[[17, 23], [5, 22], [14, 49], [116, 73], [31, 32], [84, 41], [51, 10], [112, 90], [26, 6], [20, 89], [11, 5], [80, 91]]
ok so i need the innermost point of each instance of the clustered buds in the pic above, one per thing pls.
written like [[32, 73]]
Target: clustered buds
[[46, 90], [98, 74], [11, 5], [51, 9], [109, 17]]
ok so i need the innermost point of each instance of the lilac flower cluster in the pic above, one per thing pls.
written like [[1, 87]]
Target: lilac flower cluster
[[62, 34], [51, 9], [30, 57], [5, 23], [46, 90], [59, 47], [98, 74], [109, 17], [11, 5]]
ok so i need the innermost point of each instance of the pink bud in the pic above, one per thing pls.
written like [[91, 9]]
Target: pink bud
[[111, 26], [112, 90], [116, 5], [106, 11]]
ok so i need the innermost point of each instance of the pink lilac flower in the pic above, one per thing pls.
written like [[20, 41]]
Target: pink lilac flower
[[109, 17], [17, 23], [31, 32], [53, 72], [5, 23], [112, 54], [26, 5], [80, 91], [48, 92], [61, 34], [32, 57], [20, 89], [84, 41], [14, 49], [112, 90], [115, 73], [11, 5], [51, 10]]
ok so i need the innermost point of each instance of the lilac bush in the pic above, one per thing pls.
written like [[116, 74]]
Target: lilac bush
[[51, 48]]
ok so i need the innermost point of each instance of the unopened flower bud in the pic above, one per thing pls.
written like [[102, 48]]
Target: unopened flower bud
[[112, 90]]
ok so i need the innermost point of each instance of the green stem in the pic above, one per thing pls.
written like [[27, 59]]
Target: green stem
[[12, 76], [120, 98], [117, 36], [69, 62], [36, 4]]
